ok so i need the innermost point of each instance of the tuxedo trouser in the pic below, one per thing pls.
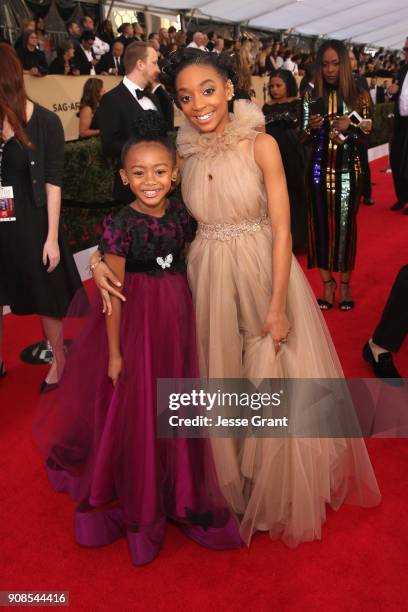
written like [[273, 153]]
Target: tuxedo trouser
[[393, 326], [399, 158], [365, 168]]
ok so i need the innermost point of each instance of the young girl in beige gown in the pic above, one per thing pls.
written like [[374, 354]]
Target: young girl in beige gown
[[256, 314]]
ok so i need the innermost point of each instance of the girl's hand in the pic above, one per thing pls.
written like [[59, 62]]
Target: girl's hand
[[342, 124], [106, 282], [278, 326], [316, 122], [115, 368], [51, 254]]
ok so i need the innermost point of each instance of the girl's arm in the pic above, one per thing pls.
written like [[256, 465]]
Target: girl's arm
[[106, 281], [268, 158], [51, 251], [117, 265]]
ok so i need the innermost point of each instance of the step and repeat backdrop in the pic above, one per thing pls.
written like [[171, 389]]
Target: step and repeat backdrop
[[61, 94]]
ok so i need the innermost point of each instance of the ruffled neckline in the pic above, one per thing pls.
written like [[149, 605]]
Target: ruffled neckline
[[245, 118]]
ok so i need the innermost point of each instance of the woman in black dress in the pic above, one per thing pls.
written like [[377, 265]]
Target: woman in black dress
[[37, 271], [64, 62], [32, 59], [88, 108], [283, 121]]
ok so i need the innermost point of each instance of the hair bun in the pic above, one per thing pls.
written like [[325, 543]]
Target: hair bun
[[149, 124]]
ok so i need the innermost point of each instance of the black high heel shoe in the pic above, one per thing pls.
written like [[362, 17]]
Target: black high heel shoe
[[47, 387], [324, 304], [3, 371], [346, 304]]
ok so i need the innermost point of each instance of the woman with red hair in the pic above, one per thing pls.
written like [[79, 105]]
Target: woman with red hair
[[37, 270]]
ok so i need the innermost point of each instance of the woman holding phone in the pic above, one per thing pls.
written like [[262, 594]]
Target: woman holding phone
[[333, 131]]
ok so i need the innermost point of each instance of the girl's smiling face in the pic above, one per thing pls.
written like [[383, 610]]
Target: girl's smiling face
[[203, 95], [149, 171]]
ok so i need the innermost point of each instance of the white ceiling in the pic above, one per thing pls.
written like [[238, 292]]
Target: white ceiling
[[376, 22]]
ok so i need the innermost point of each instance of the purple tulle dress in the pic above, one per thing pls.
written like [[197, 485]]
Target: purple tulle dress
[[99, 441]]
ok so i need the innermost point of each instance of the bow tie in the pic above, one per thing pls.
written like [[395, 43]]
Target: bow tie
[[142, 93]]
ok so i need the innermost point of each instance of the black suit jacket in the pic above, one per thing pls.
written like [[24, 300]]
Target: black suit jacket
[[402, 74], [46, 156], [81, 61], [120, 117], [107, 62], [379, 95], [57, 66], [125, 41]]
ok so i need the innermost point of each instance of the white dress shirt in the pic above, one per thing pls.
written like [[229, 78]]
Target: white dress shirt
[[291, 66], [403, 99], [100, 47], [145, 103], [279, 62], [194, 45]]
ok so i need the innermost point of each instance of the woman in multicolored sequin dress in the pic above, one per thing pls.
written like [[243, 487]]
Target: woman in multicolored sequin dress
[[334, 173]]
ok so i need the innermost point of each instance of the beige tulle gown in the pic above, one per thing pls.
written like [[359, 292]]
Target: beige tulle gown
[[280, 485]]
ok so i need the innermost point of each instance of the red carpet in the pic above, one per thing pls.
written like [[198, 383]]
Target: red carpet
[[362, 561]]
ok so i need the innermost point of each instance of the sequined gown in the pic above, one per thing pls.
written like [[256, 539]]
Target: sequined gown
[[334, 185], [276, 485]]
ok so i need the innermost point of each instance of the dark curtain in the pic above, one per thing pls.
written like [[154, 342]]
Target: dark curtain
[[67, 9], [39, 8]]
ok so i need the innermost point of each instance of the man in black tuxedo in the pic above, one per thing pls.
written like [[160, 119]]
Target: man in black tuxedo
[[391, 330], [362, 85], [399, 140], [132, 107], [84, 58], [112, 63], [377, 92]]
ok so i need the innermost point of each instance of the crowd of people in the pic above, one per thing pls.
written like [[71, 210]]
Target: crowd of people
[[239, 305], [98, 50], [296, 94]]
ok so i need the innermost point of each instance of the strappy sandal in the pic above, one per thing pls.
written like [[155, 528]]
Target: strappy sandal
[[324, 304], [346, 304]]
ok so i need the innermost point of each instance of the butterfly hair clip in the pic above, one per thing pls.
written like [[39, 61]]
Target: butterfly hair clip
[[165, 262]]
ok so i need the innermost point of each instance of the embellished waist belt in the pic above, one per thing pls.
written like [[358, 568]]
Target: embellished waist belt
[[168, 263], [228, 231]]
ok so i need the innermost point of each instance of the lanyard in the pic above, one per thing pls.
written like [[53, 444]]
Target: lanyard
[[2, 145]]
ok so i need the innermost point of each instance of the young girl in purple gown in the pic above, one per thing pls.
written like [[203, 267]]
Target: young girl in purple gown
[[97, 431]]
